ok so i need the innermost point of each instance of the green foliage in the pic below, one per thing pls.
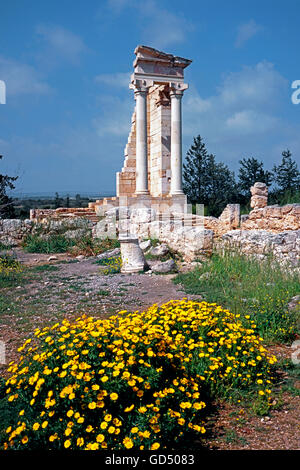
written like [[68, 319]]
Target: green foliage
[[251, 170], [287, 175], [206, 181], [135, 380], [51, 244], [248, 286], [113, 265], [10, 270], [89, 246], [6, 203]]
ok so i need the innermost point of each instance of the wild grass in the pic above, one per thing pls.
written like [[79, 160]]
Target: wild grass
[[52, 244], [249, 287]]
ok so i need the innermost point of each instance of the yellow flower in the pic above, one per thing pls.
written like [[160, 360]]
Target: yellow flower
[[114, 396], [128, 442], [100, 438], [129, 408], [67, 443], [80, 441], [36, 426], [155, 445]]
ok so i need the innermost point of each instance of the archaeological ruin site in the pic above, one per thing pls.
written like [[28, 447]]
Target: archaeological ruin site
[[149, 325], [149, 199]]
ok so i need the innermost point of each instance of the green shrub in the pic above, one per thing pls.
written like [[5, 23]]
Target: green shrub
[[135, 380], [259, 288], [51, 244], [10, 270]]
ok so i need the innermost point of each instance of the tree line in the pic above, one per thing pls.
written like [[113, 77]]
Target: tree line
[[208, 182], [212, 183]]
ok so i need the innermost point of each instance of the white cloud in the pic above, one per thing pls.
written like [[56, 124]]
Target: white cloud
[[258, 85], [244, 115], [21, 78], [248, 122], [61, 43], [247, 31], [118, 80], [115, 116]]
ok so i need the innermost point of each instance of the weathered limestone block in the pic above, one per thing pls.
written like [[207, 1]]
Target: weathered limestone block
[[164, 267], [191, 242], [230, 216], [160, 250], [259, 194], [133, 259]]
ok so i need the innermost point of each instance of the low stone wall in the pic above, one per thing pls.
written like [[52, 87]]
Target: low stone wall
[[273, 218], [12, 231], [43, 215], [283, 246]]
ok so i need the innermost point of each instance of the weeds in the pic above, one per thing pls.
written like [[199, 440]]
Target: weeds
[[249, 287]]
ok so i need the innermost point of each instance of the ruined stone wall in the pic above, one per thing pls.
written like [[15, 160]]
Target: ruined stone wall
[[273, 218], [283, 246], [42, 215], [159, 142]]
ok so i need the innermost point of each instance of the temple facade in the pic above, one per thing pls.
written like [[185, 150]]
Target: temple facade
[[152, 169]]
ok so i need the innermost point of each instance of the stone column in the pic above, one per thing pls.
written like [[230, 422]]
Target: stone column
[[141, 140], [133, 259], [176, 94]]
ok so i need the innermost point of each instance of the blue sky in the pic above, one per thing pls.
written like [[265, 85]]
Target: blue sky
[[66, 66]]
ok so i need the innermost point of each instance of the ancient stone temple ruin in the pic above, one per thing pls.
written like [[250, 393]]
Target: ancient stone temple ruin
[[152, 168]]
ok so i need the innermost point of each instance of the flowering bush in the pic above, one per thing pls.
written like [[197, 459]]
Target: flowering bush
[[135, 380], [9, 266]]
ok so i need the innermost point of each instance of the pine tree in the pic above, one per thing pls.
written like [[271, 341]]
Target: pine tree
[[287, 175], [205, 181], [6, 203], [251, 171]]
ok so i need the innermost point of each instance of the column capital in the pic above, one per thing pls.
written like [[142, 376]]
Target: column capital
[[177, 88], [140, 85]]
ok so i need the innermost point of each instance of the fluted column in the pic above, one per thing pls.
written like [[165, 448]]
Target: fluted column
[[176, 140], [141, 140]]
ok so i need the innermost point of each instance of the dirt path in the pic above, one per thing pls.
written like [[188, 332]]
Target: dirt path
[[58, 286]]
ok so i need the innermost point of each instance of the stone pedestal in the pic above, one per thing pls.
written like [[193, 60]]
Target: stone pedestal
[[133, 259]]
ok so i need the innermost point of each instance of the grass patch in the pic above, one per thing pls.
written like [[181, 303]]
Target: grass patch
[[89, 246], [44, 267], [4, 246], [103, 292], [249, 287], [52, 244]]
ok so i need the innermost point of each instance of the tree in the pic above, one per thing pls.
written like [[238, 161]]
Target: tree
[[77, 200], [251, 171], [57, 201], [287, 175], [205, 181], [6, 203]]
